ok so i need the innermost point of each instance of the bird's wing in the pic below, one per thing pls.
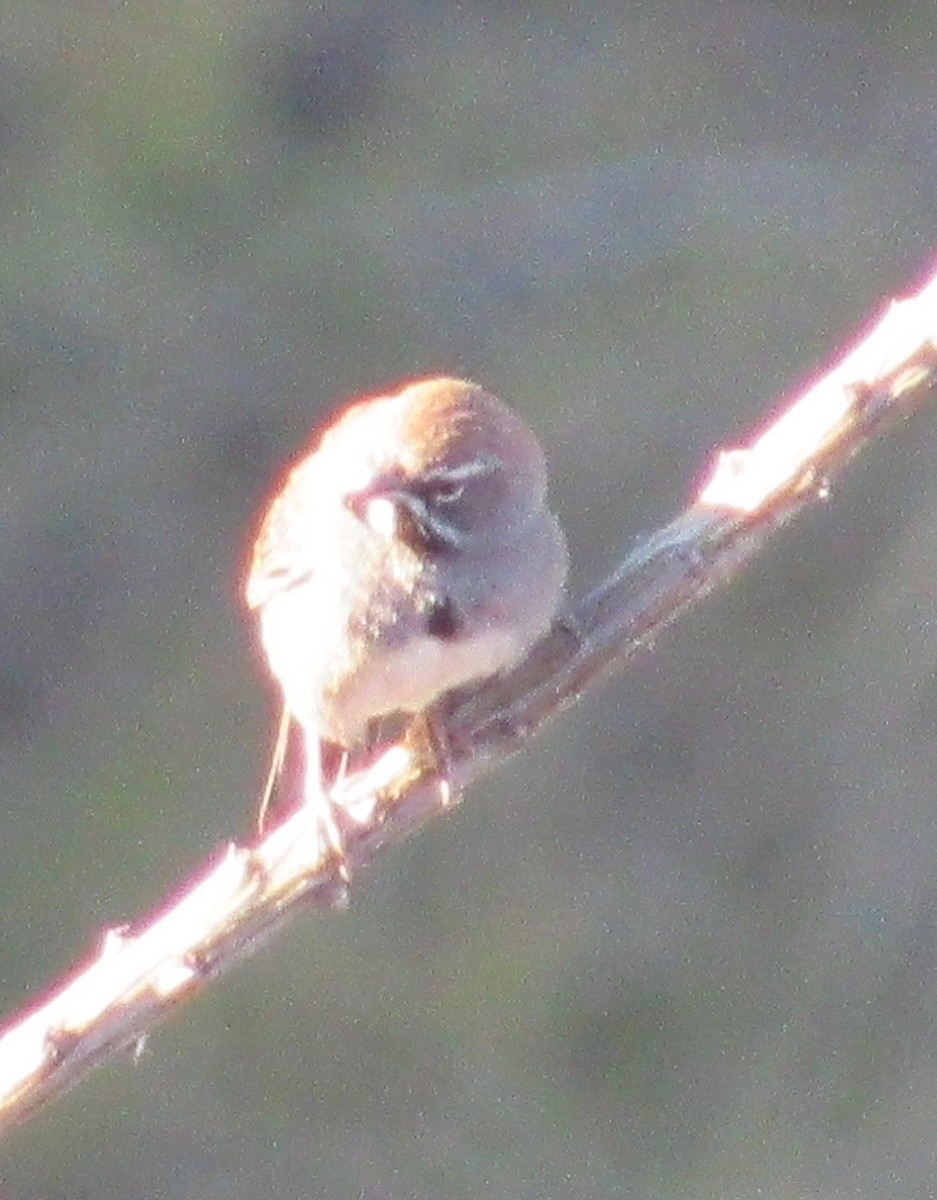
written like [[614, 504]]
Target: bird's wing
[[279, 560]]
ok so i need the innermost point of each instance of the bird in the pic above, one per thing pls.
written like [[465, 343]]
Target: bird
[[409, 553]]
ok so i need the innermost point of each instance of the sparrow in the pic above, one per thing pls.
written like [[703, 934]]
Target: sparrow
[[410, 553]]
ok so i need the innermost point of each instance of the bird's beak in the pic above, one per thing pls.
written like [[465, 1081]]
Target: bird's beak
[[385, 485], [376, 505]]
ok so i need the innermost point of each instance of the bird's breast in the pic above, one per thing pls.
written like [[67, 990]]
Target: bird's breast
[[410, 676]]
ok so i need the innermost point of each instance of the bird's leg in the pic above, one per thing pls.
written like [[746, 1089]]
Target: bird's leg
[[428, 742], [341, 773], [316, 797]]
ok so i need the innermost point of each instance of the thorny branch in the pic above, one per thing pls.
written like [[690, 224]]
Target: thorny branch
[[140, 974]]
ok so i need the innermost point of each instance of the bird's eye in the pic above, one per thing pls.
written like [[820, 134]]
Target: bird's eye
[[446, 492], [446, 485]]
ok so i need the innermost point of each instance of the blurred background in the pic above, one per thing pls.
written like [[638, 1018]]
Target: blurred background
[[686, 946]]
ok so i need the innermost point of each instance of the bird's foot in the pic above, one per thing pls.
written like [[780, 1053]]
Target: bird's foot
[[331, 839], [428, 743]]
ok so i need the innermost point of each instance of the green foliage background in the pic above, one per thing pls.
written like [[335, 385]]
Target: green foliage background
[[686, 946]]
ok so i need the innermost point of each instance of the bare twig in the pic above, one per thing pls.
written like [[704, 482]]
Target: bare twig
[[139, 975]]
